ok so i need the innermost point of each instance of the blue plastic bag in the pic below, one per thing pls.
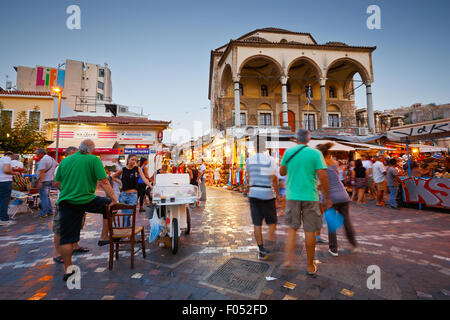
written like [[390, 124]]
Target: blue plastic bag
[[334, 220], [155, 227]]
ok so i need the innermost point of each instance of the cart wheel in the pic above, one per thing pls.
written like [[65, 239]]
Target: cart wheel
[[175, 236], [188, 220]]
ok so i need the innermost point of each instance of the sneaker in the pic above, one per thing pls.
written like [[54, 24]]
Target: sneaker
[[321, 240], [395, 208], [334, 254], [262, 256], [264, 251]]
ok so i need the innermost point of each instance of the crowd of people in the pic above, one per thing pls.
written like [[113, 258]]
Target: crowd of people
[[309, 181]]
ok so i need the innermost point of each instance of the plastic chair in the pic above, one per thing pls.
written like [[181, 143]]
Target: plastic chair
[[122, 226]]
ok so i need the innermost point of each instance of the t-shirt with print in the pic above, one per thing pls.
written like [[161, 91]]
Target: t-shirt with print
[[302, 173], [4, 177], [78, 175], [261, 168]]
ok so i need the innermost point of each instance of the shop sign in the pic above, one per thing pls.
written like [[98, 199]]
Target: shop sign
[[86, 134], [419, 130], [137, 135], [135, 151], [429, 191]]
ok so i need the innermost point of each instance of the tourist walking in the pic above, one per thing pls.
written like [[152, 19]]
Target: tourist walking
[[141, 184], [350, 178], [367, 163], [77, 178], [360, 177], [56, 230], [379, 173], [129, 176], [303, 165], [339, 198], [46, 174], [393, 182], [6, 177], [262, 179], [202, 178]]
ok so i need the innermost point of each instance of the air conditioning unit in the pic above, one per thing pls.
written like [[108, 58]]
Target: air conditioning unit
[[363, 131], [123, 109]]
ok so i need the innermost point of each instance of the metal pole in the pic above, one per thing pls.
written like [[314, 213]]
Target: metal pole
[[57, 126], [409, 162]]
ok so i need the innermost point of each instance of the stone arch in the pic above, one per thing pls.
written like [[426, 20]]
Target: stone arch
[[264, 106], [333, 108], [310, 61], [226, 79], [261, 56], [358, 67]]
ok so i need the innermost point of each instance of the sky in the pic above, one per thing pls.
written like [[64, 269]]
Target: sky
[[158, 51]]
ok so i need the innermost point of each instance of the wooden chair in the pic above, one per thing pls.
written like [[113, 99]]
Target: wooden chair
[[122, 226]]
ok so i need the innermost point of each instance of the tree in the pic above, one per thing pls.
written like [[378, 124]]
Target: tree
[[24, 137]]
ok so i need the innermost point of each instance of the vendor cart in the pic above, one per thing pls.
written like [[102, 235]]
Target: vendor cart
[[172, 194]]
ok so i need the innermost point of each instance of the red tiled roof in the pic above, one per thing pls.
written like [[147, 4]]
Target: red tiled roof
[[26, 93], [102, 119]]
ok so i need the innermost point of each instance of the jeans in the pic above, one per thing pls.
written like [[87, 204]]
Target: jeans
[[5, 197], [343, 209], [128, 198], [44, 195], [393, 196], [141, 193]]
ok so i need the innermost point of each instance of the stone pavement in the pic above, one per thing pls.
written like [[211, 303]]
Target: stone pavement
[[411, 248]]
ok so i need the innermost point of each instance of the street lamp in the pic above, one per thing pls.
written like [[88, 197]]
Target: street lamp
[[58, 90]]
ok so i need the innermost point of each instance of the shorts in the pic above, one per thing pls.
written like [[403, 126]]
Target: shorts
[[369, 181], [71, 217], [263, 210], [282, 192], [381, 186], [306, 211]]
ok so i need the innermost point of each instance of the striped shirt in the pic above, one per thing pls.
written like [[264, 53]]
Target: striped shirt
[[261, 168]]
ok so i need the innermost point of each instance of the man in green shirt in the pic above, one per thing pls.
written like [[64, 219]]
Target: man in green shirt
[[303, 165], [77, 178]]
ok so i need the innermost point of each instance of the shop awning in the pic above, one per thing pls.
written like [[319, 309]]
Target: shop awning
[[101, 145], [424, 148], [313, 143], [366, 146]]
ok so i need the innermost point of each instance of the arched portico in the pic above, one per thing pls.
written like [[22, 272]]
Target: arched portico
[[343, 70]]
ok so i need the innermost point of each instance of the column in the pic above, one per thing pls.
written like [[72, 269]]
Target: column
[[370, 113], [237, 103], [323, 103], [284, 101]]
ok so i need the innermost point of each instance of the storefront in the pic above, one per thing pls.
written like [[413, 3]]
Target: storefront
[[114, 137]]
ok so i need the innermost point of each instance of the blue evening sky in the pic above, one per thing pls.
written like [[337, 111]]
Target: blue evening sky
[[159, 51]]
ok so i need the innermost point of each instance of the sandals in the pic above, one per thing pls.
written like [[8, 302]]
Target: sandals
[[81, 250], [312, 274], [58, 259]]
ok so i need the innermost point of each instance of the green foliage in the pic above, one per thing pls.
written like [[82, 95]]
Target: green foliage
[[23, 137]]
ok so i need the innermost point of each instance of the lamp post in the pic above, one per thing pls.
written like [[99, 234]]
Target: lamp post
[[58, 90]]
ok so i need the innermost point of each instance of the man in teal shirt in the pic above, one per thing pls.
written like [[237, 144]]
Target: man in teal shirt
[[77, 178], [303, 165]]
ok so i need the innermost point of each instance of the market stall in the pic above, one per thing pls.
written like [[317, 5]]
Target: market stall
[[429, 191]]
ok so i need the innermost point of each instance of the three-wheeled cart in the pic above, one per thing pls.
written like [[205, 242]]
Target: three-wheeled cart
[[172, 194]]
